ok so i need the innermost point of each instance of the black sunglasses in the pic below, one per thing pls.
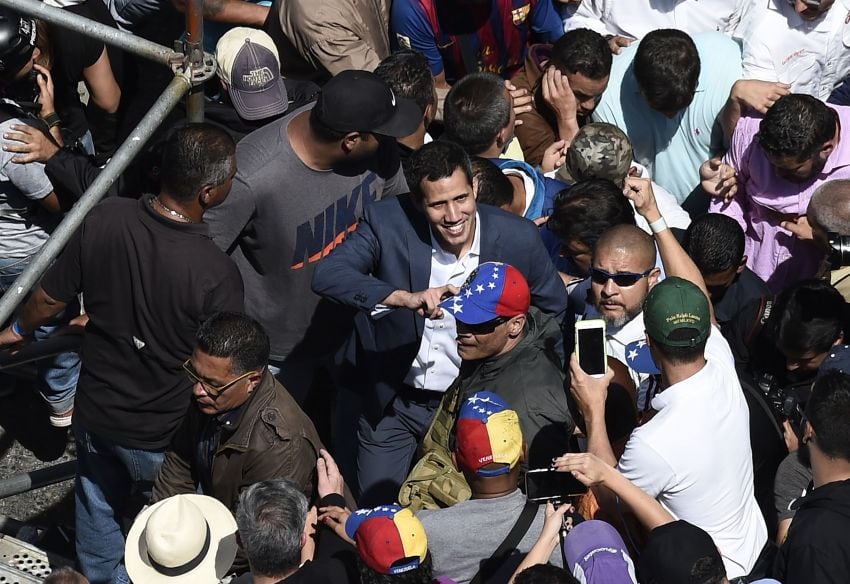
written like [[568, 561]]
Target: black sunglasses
[[621, 279]]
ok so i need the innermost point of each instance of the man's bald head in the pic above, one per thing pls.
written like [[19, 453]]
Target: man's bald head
[[629, 240], [829, 208]]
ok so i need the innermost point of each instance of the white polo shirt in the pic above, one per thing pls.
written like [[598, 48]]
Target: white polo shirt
[[695, 457], [779, 45], [437, 362], [634, 18]]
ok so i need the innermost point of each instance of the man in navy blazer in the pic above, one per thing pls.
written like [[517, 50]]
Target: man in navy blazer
[[407, 254]]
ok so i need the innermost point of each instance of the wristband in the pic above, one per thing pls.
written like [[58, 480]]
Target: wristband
[[658, 225], [16, 328], [52, 120]]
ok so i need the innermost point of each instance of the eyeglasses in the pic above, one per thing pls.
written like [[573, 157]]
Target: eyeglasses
[[621, 279], [212, 390]]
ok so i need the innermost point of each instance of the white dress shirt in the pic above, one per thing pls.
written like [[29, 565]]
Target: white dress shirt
[[634, 18], [813, 56], [437, 363]]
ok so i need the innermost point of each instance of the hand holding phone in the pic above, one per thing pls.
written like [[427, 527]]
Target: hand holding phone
[[546, 484]]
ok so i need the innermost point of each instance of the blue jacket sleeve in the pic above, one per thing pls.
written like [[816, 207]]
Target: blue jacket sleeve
[[546, 22], [345, 276]]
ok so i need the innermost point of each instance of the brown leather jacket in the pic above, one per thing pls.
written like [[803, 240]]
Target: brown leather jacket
[[539, 128], [274, 438]]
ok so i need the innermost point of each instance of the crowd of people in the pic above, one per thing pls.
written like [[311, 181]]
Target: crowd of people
[[332, 333]]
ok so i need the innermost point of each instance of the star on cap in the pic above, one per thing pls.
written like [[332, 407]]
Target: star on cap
[[632, 354], [479, 288], [468, 293], [491, 285]]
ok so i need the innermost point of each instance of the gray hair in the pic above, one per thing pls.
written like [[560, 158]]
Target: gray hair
[[271, 518], [830, 206]]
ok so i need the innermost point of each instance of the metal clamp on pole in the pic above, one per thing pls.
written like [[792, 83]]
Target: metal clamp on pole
[[194, 55]]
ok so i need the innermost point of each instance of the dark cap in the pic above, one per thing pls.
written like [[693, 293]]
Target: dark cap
[[676, 313], [672, 552], [17, 41], [360, 101], [248, 63]]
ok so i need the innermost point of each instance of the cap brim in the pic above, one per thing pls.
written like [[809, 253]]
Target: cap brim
[[215, 565], [563, 174], [404, 122], [466, 311], [256, 105]]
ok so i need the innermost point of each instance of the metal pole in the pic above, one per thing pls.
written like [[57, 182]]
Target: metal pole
[[195, 55], [122, 158], [107, 34], [35, 479]]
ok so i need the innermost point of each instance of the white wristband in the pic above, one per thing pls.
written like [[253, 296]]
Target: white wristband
[[658, 225]]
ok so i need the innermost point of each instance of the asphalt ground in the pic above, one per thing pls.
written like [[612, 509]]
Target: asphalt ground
[[28, 442]]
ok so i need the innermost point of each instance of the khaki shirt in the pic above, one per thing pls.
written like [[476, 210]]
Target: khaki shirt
[[319, 38]]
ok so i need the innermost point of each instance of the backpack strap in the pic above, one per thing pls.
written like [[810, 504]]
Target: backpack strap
[[520, 528]]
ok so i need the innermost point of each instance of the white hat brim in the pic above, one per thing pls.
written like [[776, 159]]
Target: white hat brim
[[214, 566]]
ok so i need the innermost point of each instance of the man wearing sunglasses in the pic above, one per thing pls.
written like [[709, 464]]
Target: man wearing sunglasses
[[244, 426]]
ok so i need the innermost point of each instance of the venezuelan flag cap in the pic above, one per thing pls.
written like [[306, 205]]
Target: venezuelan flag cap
[[390, 540], [489, 437]]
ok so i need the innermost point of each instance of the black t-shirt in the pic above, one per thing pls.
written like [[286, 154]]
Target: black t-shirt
[[147, 283], [73, 52], [746, 288]]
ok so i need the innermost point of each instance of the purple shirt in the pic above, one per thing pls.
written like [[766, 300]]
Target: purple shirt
[[764, 200]]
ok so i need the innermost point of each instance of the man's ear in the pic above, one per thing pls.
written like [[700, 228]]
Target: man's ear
[[839, 340], [350, 141], [254, 379], [742, 265], [303, 537], [205, 195], [653, 276], [827, 149], [475, 183], [516, 325]]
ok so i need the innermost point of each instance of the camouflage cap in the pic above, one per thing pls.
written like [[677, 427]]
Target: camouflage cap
[[598, 151]]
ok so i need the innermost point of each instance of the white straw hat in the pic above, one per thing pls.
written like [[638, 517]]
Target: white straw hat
[[185, 538]]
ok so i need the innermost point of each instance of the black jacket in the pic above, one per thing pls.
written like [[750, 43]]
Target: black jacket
[[531, 380], [817, 550]]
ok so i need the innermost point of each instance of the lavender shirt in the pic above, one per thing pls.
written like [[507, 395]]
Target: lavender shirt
[[764, 200]]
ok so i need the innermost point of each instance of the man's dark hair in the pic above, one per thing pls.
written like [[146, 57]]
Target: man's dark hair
[[493, 187], [828, 411], [589, 208], [271, 518], [434, 161], [680, 355], [476, 109], [195, 156], [65, 575], [582, 51], [796, 125], [408, 75], [235, 336], [667, 67], [424, 574], [715, 242], [810, 317], [545, 574]]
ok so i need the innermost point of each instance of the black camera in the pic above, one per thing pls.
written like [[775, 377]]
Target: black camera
[[839, 250], [786, 403]]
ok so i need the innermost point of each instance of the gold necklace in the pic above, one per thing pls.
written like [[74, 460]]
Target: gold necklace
[[172, 212]]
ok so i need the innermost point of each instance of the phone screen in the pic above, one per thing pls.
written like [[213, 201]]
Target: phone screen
[[547, 484], [591, 350]]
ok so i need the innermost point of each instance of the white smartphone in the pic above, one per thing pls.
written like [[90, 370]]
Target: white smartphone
[[590, 346]]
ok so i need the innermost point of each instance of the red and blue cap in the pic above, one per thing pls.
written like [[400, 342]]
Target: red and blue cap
[[390, 540], [493, 290], [488, 435]]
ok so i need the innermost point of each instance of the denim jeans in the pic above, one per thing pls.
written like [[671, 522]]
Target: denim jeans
[[57, 376], [113, 483]]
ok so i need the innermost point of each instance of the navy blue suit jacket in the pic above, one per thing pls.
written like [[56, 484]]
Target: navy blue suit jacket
[[391, 250]]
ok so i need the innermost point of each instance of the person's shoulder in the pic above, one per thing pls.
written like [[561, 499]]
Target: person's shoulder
[[261, 149], [713, 45], [498, 219]]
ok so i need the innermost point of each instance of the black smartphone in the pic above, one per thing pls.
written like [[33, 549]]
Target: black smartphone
[[545, 484], [590, 346]]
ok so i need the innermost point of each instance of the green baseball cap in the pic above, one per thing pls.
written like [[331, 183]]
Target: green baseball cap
[[676, 313]]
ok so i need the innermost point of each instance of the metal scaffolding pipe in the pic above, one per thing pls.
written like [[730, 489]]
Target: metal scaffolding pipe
[[73, 218], [107, 34], [195, 44], [36, 479]]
